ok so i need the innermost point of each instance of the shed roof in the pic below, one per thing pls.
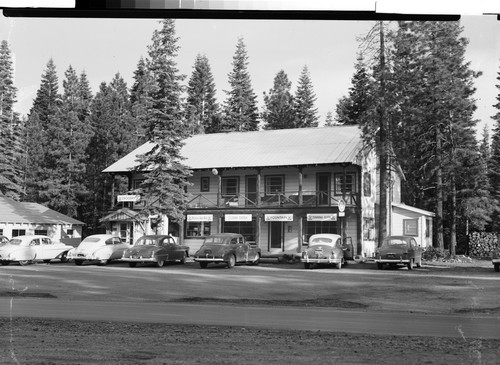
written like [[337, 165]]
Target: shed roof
[[283, 147], [12, 211]]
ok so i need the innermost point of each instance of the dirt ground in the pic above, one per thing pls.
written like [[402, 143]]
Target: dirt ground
[[47, 341]]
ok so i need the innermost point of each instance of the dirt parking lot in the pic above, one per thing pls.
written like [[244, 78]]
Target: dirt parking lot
[[461, 289]]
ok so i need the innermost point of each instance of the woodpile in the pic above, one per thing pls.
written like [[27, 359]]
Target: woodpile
[[482, 244]]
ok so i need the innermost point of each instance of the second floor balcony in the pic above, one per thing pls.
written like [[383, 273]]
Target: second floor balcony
[[288, 199]]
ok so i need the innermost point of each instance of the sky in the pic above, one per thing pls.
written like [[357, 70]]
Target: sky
[[103, 47]]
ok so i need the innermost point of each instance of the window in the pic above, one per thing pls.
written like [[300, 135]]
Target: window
[[367, 184], [410, 227], [246, 229], [69, 232], [205, 183], [345, 181], [230, 186], [18, 232], [42, 232], [197, 229], [274, 184], [314, 227]]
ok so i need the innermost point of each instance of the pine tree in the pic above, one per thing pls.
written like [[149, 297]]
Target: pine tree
[[355, 108], [10, 175], [329, 121], [48, 99], [201, 105], [305, 111], [494, 161], [141, 100], [240, 108], [166, 180], [279, 110]]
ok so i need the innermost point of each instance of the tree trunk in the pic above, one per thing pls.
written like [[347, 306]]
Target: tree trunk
[[439, 189]]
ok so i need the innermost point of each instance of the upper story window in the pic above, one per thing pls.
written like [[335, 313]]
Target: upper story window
[[230, 186], [205, 183], [345, 183], [275, 184]]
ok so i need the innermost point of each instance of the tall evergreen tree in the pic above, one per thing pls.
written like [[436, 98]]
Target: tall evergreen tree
[[166, 180], [10, 175], [494, 161], [141, 100], [355, 108], [201, 105], [305, 111], [279, 110], [48, 99], [240, 108]]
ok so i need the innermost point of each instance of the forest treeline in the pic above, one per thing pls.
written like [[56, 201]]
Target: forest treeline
[[411, 93]]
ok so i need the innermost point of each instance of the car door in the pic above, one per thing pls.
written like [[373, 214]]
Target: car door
[[166, 249], [43, 249], [34, 250]]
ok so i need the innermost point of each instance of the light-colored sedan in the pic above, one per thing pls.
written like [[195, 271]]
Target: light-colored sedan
[[99, 247], [30, 248]]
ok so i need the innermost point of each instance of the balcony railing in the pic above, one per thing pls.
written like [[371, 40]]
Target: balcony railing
[[285, 199]]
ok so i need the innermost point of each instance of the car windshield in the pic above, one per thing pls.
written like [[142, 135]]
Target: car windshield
[[394, 242], [15, 241], [215, 240]]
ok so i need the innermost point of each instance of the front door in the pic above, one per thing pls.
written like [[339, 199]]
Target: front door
[[275, 235], [323, 188]]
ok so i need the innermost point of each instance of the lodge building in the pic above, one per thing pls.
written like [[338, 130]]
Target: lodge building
[[277, 188]]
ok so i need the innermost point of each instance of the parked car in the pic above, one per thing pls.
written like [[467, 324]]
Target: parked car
[[156, 249], [399, 250], [230, 248], [495, 259], [99, 247], [326, 248], [3, 240], [30, 248]]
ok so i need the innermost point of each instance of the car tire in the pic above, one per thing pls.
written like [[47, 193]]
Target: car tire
[[160, 263], [5, 262], [256, 261], [410, 264], [132, 264], [497, 267], [183, 259], [24, 262], [103, 262], [231, 262], [203, 264], [78, 262], [64, 257], [46, 262]]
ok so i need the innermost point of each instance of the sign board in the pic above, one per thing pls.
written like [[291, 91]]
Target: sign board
[[128, 198], [200, 217], [321, 217], [341, 214], [278, 217], [341, 205], [238, 217]]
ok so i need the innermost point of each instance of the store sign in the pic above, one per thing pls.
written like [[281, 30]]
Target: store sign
[[128, 198], [278, 217], [238, 217], [200, 217], [321, 217]]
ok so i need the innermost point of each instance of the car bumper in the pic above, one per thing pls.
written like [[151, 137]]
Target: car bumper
[[139, 259], [392, 261], [208, 259], [495, 261], [311, 260]]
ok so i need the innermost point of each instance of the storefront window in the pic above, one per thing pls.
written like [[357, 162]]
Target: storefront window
[[315, 227], [246, 229], [197, 229]]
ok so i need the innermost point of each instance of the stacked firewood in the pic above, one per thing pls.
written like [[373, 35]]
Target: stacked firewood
[[482, 244]]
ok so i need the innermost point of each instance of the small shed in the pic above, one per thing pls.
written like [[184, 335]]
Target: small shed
[[410, 221], [22, 218]]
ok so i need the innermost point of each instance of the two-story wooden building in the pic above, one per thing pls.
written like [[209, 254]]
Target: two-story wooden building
[[276, 187]]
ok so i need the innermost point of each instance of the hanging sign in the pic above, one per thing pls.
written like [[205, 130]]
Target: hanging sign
[[341, 205], [200, 217], [321, 217], [128, 198], [278, 217], [238, 217]]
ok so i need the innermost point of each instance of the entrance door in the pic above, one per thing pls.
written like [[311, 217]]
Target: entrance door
[[251, 191], [276, 235], [323, 188]]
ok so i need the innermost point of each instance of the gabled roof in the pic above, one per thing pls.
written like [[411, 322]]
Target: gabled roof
[[283, 147], [12, 211]]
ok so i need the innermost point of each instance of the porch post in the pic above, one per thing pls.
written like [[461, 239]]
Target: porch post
[[300, 186], [258, 187]]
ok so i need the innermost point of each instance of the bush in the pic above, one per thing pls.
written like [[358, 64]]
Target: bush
[[433, 254]]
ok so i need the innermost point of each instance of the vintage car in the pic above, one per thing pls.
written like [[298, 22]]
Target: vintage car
[[99, 247], [326, 248], [495, 259], [230, 248], [30, 248], [156, 249], [397, 251]]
